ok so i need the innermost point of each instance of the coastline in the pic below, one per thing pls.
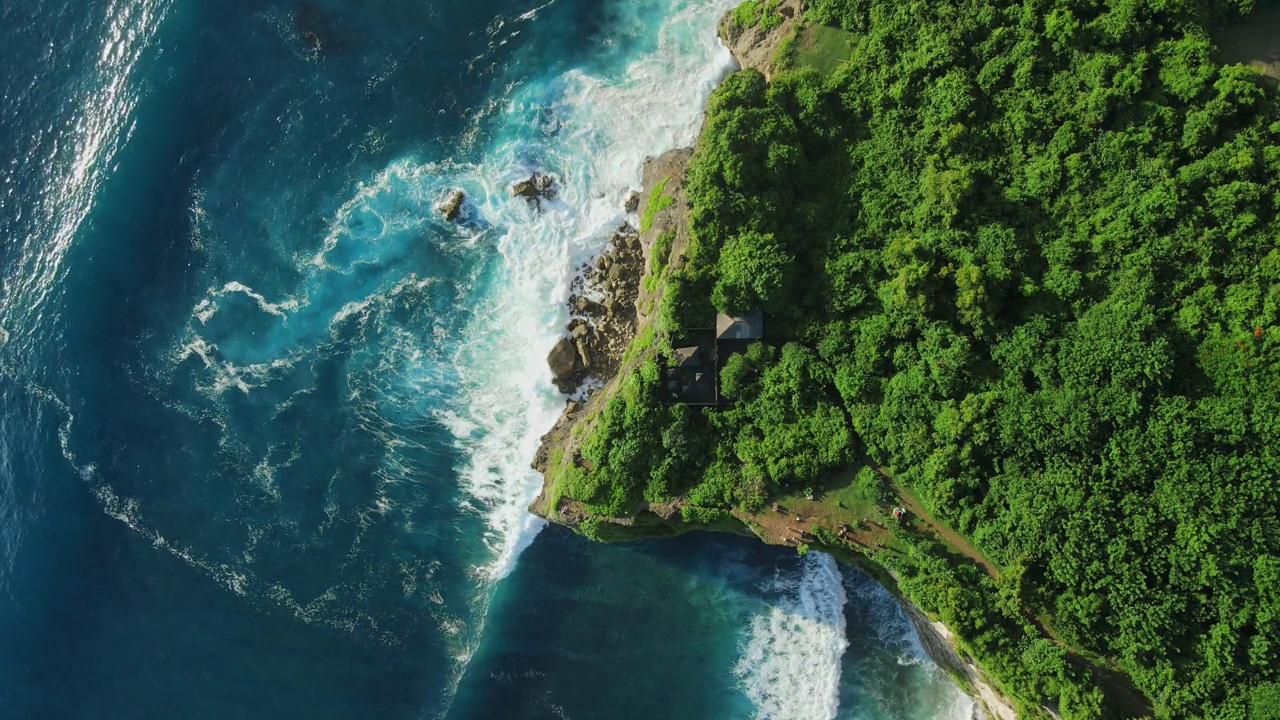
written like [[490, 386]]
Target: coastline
[[628, 305]]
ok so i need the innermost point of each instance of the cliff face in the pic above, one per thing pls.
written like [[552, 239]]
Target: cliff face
[[612, 306], [625, 307], [756, 46], [939, 643]]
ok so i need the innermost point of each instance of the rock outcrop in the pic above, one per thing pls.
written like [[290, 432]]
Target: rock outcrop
[[536, 188], [451, 206], [609, 306], [565, 365], [755, 47], [600, 330]]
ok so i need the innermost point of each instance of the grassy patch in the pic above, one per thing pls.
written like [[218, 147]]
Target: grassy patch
[[746, 14], [852, 500], [785, 57], [822, 48], [553, 480], [661, 251], [658, 201], [642, 343], [753, 13]]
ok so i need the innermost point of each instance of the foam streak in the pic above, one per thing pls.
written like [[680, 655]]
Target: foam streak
[[790, 664]]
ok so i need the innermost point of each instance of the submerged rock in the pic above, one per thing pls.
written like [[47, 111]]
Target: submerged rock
[[451, 206], [536, 188]]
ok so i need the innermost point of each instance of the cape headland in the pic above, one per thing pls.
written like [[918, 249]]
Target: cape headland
[[614, 303], [855, 194]]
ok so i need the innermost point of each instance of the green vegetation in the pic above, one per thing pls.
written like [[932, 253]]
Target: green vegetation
[[822, 48], [757, 13], [658, 201], [661, 252], [1024, 257]]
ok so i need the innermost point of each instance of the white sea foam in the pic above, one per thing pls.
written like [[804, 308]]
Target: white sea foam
[[492, 369], [277, 309], [791, 659], [603, 128], [894, 630], [885, 614]]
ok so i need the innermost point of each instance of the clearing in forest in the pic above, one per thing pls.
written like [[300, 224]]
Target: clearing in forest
[[1255, 43], [824, 48], [862, 500]]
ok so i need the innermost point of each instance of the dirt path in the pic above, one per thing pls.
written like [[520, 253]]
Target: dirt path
[[952, 538], [1119, 687]]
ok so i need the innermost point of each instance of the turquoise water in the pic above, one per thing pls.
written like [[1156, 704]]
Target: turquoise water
[[267, 419]]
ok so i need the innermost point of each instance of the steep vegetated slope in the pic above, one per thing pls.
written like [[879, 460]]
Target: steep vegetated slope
[[1024, 258]]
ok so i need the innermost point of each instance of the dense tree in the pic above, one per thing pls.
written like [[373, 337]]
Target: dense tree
[[1024, 256]]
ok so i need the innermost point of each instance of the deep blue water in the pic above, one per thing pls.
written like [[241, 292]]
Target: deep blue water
[[265, 419]]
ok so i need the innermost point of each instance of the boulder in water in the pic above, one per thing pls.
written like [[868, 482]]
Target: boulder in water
[[584, 353], [563, 361], [633, 202], [536, 188], [451, 206]]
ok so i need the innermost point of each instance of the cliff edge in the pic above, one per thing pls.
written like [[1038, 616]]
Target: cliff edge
[[755, 31], [615, 302]]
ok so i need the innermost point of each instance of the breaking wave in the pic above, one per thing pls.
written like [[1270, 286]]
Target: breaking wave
[[790, 666]]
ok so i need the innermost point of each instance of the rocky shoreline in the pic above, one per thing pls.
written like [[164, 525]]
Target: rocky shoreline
[[611, 305], [602, 308]]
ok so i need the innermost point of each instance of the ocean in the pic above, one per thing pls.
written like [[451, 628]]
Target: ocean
[[266, 419]]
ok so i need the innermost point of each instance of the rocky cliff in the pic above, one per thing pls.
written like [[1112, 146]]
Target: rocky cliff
[[755, 45], [612, 304]]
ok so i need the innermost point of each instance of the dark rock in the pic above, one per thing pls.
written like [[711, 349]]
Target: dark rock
[[536, 188], [563, 361], [633, 202], [451, 206], [584, 306], [584, 354]]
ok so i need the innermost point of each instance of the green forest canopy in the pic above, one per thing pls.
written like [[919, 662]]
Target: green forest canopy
[[1023, 256]]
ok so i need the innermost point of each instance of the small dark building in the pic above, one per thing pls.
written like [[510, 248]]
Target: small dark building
[[689, 358], [748, 326], [690, 376]]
